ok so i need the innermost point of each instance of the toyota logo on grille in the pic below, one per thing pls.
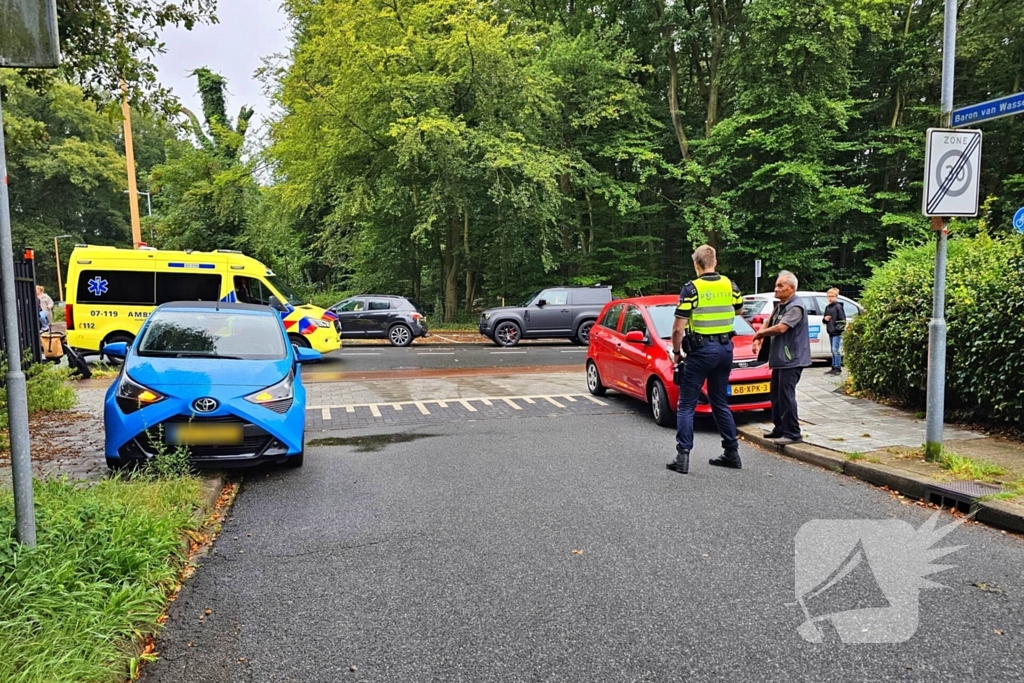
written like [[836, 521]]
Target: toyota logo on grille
[[205, 405]]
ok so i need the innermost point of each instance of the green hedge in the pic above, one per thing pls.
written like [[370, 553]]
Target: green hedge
[[887, 346]]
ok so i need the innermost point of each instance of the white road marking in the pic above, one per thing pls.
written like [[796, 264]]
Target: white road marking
[[553, 399], [574, 351]]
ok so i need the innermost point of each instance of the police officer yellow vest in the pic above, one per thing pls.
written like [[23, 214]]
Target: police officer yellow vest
[[715, 311]]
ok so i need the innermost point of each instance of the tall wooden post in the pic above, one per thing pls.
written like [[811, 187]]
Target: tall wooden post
[[129, 153]]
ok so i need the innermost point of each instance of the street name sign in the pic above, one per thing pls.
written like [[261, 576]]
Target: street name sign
[[952, 173], [1018, 220], [986, 111], [28, 34]]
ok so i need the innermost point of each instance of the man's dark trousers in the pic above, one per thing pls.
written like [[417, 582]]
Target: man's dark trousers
[[783, 394], [713, 363]]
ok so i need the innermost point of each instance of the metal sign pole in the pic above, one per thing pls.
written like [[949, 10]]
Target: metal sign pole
[[937, 325], [17, 396]]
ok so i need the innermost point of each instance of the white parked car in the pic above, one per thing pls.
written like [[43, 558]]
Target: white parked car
[[757, 309]]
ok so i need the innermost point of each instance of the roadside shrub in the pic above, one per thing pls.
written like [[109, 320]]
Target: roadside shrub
[[47, 389], [887, 346]]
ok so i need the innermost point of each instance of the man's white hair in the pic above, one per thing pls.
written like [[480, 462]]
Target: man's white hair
[[787, 276]]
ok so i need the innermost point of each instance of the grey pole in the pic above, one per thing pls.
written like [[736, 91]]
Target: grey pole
[[937, 325], [17, 397]]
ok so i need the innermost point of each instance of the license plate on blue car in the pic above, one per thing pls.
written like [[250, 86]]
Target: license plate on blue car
[[204, 435]]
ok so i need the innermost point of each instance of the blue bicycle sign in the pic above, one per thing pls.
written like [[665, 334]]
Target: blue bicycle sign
[[1018, 220]]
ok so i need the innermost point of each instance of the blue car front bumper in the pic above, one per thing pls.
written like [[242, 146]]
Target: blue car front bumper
[[268, 435]]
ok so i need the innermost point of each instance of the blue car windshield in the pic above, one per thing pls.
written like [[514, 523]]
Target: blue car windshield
[[213, 334], [664, 315]]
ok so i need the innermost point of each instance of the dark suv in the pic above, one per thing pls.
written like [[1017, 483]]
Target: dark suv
[[381, 316], [565, 312]]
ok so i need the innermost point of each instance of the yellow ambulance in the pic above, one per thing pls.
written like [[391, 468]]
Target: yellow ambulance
[[111, 292]]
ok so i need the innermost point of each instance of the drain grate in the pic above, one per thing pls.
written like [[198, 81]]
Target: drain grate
[[960, 494]]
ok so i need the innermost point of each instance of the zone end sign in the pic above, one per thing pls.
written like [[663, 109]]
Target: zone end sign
[[28, 34], [952, 173]]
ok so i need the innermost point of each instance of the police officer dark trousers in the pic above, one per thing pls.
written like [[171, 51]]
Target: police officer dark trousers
[[704, 329]]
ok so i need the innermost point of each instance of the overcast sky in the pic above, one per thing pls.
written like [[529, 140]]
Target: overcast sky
[[248, 31]]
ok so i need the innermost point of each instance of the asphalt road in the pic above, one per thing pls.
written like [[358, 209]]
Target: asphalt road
[[364, 358], [561, 549]]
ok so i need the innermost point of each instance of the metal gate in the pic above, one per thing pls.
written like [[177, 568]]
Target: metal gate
[[28, 308]]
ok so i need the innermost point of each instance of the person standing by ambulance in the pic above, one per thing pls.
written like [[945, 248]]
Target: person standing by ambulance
[[703, 327]]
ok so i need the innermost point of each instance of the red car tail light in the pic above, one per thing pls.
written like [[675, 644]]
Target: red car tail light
[[69, 316]]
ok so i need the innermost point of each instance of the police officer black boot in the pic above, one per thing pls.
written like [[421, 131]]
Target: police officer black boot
[[730, 458], [682, 462]]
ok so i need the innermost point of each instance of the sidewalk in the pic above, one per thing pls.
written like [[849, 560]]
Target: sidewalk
[[884, 446], [66, 443]]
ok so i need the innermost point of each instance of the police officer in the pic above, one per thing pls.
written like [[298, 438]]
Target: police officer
[[704, 328]]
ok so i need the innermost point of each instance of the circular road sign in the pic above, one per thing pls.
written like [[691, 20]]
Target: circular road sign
[[1018, 220], [947, 163]]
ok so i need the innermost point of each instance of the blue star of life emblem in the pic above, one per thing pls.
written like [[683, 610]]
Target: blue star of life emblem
[[98, 286]]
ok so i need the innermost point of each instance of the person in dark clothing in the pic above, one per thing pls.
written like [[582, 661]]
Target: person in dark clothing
[[788, 352], [835, 325], [704, 322]]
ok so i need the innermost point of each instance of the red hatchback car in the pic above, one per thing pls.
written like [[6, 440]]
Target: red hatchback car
[[630, 352]]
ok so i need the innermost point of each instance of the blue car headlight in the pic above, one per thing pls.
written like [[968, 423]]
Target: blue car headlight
[[132, 396], [277, 397]]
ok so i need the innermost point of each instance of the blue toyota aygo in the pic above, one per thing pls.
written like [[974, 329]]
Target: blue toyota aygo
[[218, 379]]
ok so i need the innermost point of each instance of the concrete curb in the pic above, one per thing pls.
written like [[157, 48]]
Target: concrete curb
[[213, 484], [995, 513]]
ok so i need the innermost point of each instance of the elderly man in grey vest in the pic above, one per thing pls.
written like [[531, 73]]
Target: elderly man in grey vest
[[785, 343]]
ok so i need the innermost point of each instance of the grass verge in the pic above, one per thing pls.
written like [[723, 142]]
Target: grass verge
[[967, 468], [107, 558]]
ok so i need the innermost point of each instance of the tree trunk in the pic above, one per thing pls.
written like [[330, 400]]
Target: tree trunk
[[715, 64], [588, 247], [470, 273], [451, 273], [673, 85]]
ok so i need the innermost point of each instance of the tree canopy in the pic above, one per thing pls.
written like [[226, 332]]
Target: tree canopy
[[469, 150]]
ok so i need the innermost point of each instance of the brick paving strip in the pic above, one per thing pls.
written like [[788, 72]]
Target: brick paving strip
[[881, 445]]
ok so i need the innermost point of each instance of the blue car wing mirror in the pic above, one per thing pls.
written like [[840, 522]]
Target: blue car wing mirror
[[304, 355], [116, 349]]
